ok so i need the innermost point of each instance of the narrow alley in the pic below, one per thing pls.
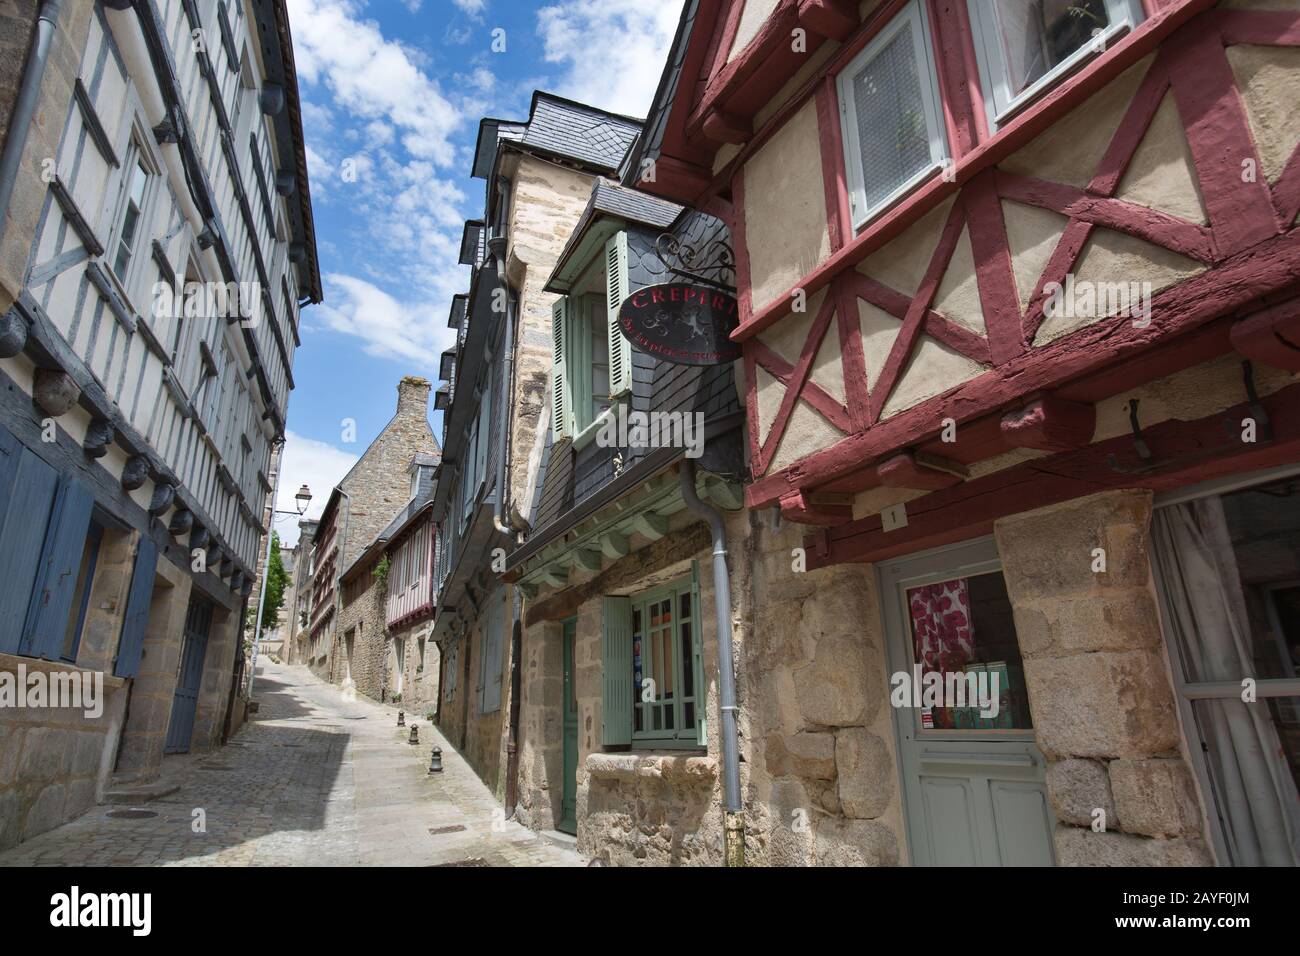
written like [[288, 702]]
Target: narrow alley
[[311, 780]]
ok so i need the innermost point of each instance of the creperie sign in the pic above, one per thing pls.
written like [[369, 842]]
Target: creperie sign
[[682, 323]]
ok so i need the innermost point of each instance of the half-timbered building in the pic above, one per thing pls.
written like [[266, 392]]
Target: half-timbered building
[[1017, 286], [158, 245]]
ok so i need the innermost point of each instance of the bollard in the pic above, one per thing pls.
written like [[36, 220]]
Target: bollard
[[415, 734], [401, 718], [435, 760]]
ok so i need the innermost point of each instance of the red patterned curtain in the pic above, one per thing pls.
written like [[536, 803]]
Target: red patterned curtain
[[941, 625]]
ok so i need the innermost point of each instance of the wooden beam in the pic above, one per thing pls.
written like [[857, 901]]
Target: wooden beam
[[834, 19], [916, 471], [163, 496], [134, 472], [1050, 423], [13, 334], [613, 544], [99, 435], [800, 507], [723, 127], [587, 559], [1271, 336], [1184, 452], [54, 391], [653, 526]]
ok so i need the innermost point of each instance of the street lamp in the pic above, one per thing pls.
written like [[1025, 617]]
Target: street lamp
[[301, 500]]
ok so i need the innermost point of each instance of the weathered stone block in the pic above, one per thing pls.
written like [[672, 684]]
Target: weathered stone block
[[11, 745], [1079, 847], [45, 751], [1107, 704], [46, 811], [866, 773], [844, 685], [1048, 552], [841, 842], [810, 755], [1155, 797], [1121, 620], [1078, 787]]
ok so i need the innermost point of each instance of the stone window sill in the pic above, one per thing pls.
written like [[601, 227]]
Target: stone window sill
[[683, 767]]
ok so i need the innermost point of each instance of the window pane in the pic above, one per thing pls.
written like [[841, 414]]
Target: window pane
[[1038, 35], [892, 135], [962, 630], [688, 669]]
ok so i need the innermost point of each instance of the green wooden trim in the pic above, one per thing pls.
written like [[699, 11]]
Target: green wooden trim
[[680, 736], [697, 659], [616, 290]]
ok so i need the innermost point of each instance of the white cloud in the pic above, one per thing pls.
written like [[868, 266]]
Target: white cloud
[[613, 52], [413, 331], [373, 77], [318, 465], [471, 8]]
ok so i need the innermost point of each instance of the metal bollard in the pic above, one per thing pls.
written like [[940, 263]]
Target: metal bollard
[[435, 760], [415, 734]]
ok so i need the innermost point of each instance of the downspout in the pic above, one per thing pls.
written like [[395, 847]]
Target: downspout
[[734, 825], [29, 91]]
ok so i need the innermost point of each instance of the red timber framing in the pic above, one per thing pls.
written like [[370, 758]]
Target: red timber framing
[[1248, 245]]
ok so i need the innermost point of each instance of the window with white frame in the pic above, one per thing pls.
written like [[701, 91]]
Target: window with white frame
[[891, 114], [129, 226], [1025, 46]]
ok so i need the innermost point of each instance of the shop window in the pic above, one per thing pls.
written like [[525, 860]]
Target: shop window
[[653, 677], [890, 109], [1228, 572], [592, 362], [1025, 46], [963, 631]]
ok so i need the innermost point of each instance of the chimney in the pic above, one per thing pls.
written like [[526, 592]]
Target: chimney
[[413, 396]]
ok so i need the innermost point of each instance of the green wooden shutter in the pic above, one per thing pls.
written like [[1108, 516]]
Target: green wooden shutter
[[561, 413], [484, 432], [28, 485], [131, 643], [65, 540], [616, 703], [697, 658], [616, 290]]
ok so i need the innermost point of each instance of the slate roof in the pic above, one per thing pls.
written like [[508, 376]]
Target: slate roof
[[609, 198], [561, 128]]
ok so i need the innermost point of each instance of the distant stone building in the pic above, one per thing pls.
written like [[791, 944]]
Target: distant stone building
[[345, 612]]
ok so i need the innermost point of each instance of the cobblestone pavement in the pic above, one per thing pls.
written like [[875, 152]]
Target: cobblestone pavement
[[311, 780]]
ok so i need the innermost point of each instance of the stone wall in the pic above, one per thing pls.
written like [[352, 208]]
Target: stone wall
[[17, 19], [420, 666], [1098, 679], [361, 621], [818, 772]]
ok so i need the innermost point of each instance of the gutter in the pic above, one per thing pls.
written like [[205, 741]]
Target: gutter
[[733, 822], [29, 91]]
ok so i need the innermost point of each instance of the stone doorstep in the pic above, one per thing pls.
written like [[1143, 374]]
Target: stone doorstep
[[140, 793], [565, 841]]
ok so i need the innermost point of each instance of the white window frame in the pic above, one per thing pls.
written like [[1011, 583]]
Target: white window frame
[[922, 39], [136, 152], [1000, 103]]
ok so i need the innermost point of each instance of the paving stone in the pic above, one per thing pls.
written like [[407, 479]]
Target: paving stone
[[310, 780]]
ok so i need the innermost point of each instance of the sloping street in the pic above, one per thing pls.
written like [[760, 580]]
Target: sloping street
[[311, 780]]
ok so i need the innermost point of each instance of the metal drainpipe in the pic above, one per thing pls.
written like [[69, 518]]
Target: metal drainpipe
[[733, 822], [29, 90]]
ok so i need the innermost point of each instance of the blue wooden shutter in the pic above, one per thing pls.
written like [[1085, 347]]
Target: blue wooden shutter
[[484, 432], [697, 658], [616, 658], [131, 643], [65, 540], [616, 290], [492, 657], [29, 486]]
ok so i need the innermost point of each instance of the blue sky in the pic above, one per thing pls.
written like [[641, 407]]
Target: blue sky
[[392, 93]]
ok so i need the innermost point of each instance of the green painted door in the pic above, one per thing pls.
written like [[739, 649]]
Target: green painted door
[[973, 777], [569, 806]]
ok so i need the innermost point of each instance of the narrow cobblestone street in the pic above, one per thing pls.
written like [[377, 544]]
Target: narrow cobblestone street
[[311, 780]]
